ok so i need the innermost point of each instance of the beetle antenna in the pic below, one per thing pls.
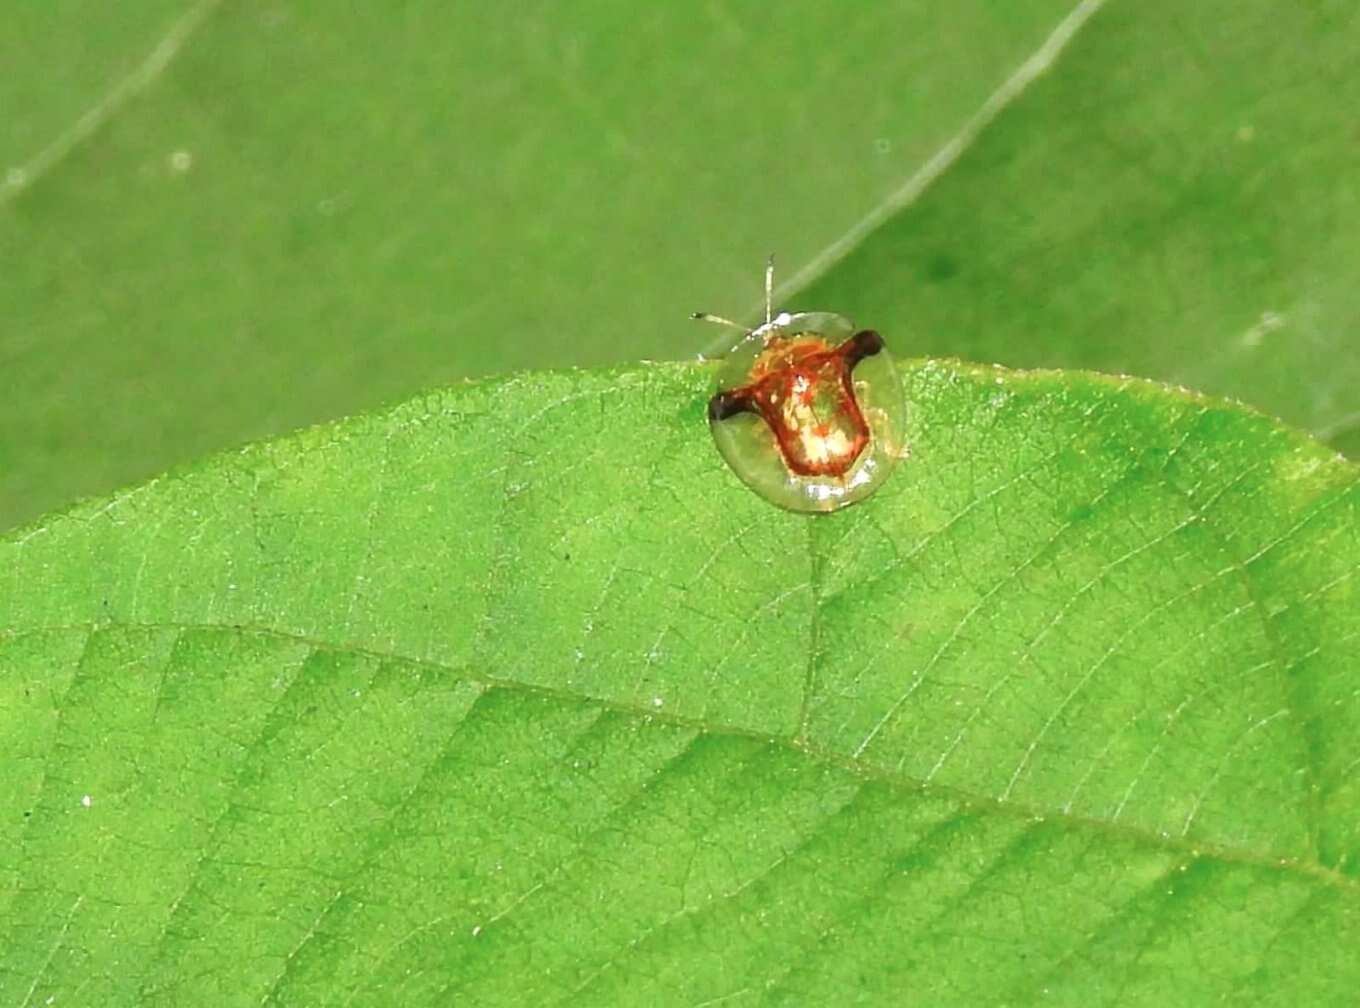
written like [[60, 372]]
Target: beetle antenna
[[703, 316], [769, 289]]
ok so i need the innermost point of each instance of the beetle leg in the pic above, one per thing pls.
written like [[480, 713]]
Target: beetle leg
[[729, 404]]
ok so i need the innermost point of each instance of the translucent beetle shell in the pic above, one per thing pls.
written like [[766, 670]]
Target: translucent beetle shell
[[808, 411]]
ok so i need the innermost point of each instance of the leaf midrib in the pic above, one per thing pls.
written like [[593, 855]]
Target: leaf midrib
[[1334, 880]]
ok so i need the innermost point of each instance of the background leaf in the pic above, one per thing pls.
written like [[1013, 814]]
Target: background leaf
[[513, 693], [220, 221]]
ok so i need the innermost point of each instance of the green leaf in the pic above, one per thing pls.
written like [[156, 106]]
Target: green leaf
[[1175, 199], [283, 213], [513, 695]]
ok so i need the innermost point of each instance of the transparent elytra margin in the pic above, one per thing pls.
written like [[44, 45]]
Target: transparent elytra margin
[[751, 449]]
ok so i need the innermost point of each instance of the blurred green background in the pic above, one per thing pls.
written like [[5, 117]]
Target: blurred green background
[[222, 220]]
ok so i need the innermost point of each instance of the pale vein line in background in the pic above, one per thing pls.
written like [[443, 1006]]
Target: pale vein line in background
[[19, 178], [1342, 426], [940, 161]]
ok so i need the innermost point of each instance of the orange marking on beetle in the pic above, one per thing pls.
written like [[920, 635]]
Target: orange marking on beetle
[[804, 390]]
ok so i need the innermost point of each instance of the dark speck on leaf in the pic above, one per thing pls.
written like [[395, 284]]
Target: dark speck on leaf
[[1079, 514], [941, 267]]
